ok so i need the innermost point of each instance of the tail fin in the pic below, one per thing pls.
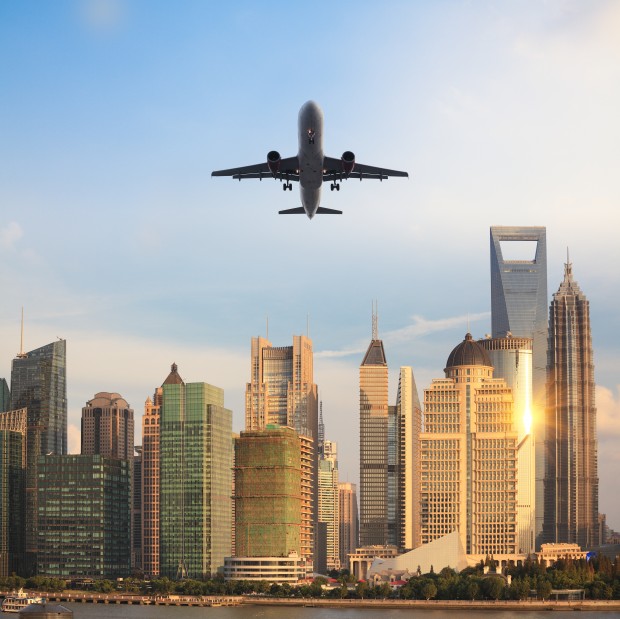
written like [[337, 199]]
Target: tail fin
[[327, 211], [293, 211]]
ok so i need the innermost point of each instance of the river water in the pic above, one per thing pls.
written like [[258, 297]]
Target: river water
[[117, 611]]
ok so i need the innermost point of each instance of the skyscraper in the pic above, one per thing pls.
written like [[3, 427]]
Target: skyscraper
[[107, 426], [409, 420], [39, 384], [519, 308], [5, 396], [268, 492], [329, 525], [196, 462], [349, 520], [282, 391], [468, 456], [374, 444], [150, 480], [571, 485], [84, 514], [512, 360], [12, 491], [136, 510]]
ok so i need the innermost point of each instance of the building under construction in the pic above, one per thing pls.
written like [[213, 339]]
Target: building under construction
[[268, 493]]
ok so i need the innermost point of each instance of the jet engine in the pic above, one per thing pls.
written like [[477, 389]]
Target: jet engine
[[348, 161], [273, 161]]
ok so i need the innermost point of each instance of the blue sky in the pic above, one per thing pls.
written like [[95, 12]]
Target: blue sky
[[114, 236]]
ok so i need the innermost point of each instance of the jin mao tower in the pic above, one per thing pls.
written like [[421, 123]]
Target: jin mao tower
[[571, 485]]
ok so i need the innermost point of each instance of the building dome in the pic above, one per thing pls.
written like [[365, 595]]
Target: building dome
[[468, 352]]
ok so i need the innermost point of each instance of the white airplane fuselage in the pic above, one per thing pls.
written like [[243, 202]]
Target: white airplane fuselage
[[310, 156]]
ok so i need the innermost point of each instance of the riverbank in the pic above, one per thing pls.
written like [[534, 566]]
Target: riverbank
[[256, 600], [475, 605]]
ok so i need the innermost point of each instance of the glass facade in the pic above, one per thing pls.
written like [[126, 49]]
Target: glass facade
[[39, 384], [12, 491], [195, 480], [5, 396], [519, 308], [84, 513], [512, 360], [374, 446]]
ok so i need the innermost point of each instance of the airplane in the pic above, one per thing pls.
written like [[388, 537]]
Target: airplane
[[310, 167]]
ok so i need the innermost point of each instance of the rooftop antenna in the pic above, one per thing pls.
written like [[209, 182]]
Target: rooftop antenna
[[267, 336], [375, 328], [468, 331], [21, 354]]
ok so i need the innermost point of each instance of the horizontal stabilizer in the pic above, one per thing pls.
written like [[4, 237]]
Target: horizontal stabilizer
[[327, 211], [293, 211]]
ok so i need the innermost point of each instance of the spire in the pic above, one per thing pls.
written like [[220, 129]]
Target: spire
[[21, 354], [375, 320], [568, 268]]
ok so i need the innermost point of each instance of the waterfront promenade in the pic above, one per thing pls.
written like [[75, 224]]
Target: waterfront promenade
[[257, 600]]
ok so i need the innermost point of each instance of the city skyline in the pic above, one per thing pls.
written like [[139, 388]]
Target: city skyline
[[113, 236]]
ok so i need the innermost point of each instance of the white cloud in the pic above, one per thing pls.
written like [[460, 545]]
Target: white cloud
[[102, 15], [74, 442], [608, 415], [10, 234], [421, 326]]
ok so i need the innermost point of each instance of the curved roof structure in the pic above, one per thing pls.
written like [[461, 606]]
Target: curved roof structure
[[468, 352]]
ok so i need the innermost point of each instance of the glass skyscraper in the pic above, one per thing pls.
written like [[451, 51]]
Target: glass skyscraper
[[571, 484], [373, 519], [5, 396], [512, 360], [39, 384], [12, 491], [519, 308], [196, 459], [84, 513]]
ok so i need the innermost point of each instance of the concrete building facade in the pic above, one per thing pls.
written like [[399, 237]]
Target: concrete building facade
[[468, 456], [150, 484], [409, 425], [349, 521], [328, 510], [108, 426]]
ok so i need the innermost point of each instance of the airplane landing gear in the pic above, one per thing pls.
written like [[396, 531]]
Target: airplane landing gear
[[288, 186], [335, 186]]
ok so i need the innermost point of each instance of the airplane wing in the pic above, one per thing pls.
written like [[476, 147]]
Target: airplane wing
[[333, 171], [288, 170]]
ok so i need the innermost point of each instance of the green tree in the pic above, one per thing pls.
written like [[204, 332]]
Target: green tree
[[493, 587], [429, 590], [543, 588]]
